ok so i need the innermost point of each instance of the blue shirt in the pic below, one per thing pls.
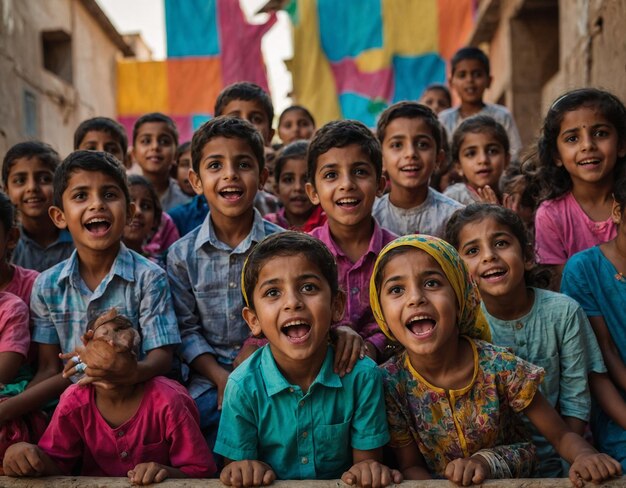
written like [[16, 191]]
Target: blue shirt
[[205, 277], [190, 215], [62, 304], [591, 279], [556, 335], [301, 435], [28, 254]]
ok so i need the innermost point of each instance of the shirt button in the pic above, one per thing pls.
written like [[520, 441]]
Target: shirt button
[[123, 454], [355, 290], [519, 326], [305, 460], [232, 284], [233, 316], [305, 434], [120, 433], [301, 403]]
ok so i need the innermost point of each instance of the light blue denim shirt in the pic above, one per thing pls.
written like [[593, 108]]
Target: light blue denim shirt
[[29, 254], [302, 435], [62, 304], [557, 336], [205, 277]]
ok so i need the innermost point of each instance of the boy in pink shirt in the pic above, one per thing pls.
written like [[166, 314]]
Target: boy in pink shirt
[[14, 336], [345, 176]]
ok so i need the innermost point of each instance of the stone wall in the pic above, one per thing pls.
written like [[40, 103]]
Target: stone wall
[[58, 105]]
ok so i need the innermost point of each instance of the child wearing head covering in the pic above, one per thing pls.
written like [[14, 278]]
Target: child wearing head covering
[[452, 398]]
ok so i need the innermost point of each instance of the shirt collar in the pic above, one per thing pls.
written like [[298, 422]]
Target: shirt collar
[[376, 241], [123, 266], [207, 235], [275, 382]]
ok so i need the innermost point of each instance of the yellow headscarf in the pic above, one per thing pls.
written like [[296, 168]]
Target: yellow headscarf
[[471, 320]]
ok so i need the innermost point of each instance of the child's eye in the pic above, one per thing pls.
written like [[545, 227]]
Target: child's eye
[[309, 287], [601, 133], [245, 164], [329, 175], [469, 154], [571, 139], [165, 141], [494, 150], [214, 165], [431, 283], [256, 120], [110, 195], [146, 207], [287, 180], [471, 251], [361, 172], [395, 290], [423, 145], [45, 179], [81, 195], [20, 180], [501, 243], [145, 140], [272, 293], [395, 145]]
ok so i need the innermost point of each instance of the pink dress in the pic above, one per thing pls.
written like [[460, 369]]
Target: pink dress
[[22, 283], [164, 430], [14, 327], [562, 228]]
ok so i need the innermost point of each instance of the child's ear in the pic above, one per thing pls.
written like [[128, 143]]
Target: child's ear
[[621, 150], [312, 193], [459, 169], [263, 176], [616, 212], [489, 81], [338, 306], [252, 320], [132, 208], [128, 161], [441, 157], [58, 217], [196, 182], [380, 187], [271, 133]]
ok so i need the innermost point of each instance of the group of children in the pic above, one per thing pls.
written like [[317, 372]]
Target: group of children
[[267, 306]]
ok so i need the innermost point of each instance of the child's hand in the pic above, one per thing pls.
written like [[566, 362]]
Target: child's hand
[[512, 201], [148, 473], [594, 467], [371, 474], [220, 383], [247, 473], [487, 195], [349, 348], [467, 471], [23, 459]]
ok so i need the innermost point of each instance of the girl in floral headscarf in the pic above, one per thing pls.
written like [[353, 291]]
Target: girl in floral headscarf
[[453, 398]]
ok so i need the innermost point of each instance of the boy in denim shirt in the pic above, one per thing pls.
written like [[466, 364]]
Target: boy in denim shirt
[[91, 200], [204, 267]]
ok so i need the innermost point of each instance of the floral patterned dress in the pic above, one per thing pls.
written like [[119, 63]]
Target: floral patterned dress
[[452, 424]]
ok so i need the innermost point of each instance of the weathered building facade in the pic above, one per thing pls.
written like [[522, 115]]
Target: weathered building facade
[[57, 68]]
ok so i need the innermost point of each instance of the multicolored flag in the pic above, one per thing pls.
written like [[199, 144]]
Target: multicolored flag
[[352, 58], [210, 45]]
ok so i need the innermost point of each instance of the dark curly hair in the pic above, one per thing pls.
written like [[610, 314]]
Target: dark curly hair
[[554, 181]]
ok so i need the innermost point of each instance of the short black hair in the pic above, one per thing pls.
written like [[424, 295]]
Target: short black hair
[[29, 149], [289, 243], [82, 160], [7, 212], [470, 52], [439, 87], [299, 108], [229, 127], [294, 150], [342, 133], [156, 117], [244, 90], [479, 124], [409, 110], [138, 180], [101, 124]]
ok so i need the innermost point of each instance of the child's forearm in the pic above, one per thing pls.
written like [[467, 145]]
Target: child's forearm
[[416, 473], [157, 362], [207, 365], [576, 425], [33, 398], [10, 363], [608, 397]]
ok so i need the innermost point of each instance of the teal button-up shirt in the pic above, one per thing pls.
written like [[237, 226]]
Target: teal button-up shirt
[[301, 436]]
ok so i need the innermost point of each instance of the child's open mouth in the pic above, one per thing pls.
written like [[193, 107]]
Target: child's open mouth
[[297, 331], [348, 202], [98, 226], [494, 274], [421, 325], [231, 194], [589, 162], [413, 168]]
